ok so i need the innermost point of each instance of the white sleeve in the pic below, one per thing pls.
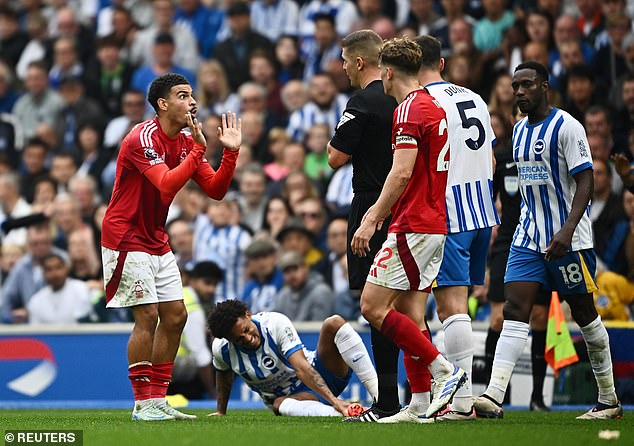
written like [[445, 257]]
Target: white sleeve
[[218, 361], [195, 335], [574, 145], [285, 334], [291, 22]]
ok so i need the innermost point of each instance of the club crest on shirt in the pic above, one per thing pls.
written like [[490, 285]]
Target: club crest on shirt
[[583, 151], [183, 155], [268, 363], [539, 146]]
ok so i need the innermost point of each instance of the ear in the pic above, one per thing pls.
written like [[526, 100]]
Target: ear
[[441, 66], [162, 104], [360, 63], [248, 315]]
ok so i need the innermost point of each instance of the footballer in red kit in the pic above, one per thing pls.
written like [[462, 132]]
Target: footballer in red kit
[[393, 299], [155, 161]]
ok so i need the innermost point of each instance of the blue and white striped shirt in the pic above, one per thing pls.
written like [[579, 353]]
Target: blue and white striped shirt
[[310, 114], [548, 154]]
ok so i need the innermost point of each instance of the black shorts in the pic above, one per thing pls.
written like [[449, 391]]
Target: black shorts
[[497, 269], [359, 267]]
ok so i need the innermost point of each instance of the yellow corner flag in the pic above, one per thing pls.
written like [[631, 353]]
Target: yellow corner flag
[[560, 351]]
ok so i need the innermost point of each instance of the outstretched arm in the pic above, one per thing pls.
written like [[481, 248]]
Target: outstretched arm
[[624, 169], [224, 381]]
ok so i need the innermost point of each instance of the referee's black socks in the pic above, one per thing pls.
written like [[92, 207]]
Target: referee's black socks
[[385, 354]]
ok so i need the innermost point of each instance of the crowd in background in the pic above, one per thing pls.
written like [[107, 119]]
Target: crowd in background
[[73, 80]]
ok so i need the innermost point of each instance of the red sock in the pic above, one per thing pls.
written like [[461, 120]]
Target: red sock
[[161, 377], [407, 336], [140, 375], [418, 374]]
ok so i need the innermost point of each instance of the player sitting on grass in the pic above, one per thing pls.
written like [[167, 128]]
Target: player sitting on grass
[[266, 351]]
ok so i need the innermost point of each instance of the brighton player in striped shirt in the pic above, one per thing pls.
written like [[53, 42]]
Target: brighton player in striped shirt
[[156, 159], [393, 298], [552, 246], [265, 350]]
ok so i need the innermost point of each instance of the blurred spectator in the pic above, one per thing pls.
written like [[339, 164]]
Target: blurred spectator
[[11, 140], [294, 95], [66, 25], [423, 17], [487, 33], [133, 105], [609, 224], [193, 371], [233, 53], [9, 256], [290, 66], [539, 28], [609, 62], [35, 50], [252, 199], [625, 117], [39, 104], [203, 20], [253, 98], [278, 139], [330, 267], [598, 121], [277, 214], [295, 237], [104, 25], [214, 96], [163, 62], [343, 11], [143, 51], [218, 239], [502, 98], [33, 166], [316, 164], [45, 191], [12, 205], [85, 264], [325, 107], [66, 62], [63, 300], [591, 20], [452, 10], [616, 89], [254, 132], [26, 277], [181, 239], [294, 157], [83, 189], [296, 187], [265, 278], [262, 72], [566, 30], [76, 111], [67, 218], [461, 41], [369, 12], [322, 48], [339, 194], [315, 218], [12, 39], [124, 29], [94, 157], [8, 94], [109, 77], [305, 296], [274, 18], [581, 92], [63, 167], [536, 51]]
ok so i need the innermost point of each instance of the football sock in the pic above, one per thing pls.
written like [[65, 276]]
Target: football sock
[[419, 378], [354, 354], [598, 344], [538, 362], [161, 377], [306, 408], [140, 374], [510, 346], [459, 350], [385, 354], [489, 351]]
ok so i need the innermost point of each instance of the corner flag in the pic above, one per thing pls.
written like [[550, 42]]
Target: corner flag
[[560, 351]]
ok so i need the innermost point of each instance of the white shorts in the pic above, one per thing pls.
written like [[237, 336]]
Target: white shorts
[[136, 278], [408, 262]]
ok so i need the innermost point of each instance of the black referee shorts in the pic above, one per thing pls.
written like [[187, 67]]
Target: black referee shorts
[[497, 269], [359, 267]]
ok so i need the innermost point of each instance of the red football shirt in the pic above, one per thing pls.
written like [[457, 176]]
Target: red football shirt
[[135, 218], [420, 123]]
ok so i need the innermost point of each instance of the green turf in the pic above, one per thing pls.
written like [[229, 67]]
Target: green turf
[[262, 428]]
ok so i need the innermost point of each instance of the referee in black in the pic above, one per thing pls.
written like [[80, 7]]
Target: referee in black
[[364, 134]]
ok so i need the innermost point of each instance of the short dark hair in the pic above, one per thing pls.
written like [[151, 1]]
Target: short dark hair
[[224, 315], [36, 141], [403, 54], [542, 71], [324, 16], [54, 255], [207, 270], [161, 87], [581, 71], [365, 43], [430, 46]]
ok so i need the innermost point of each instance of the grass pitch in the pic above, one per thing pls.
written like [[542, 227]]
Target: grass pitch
[[262, 428]]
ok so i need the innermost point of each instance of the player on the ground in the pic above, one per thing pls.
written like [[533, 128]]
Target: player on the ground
[[552, 247], [393, 297], [470, 215], [364, 136], [156, 159], [267, 353]]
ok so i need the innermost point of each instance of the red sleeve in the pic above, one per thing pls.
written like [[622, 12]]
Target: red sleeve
[[216, 183], [142, 158], [171, 181]]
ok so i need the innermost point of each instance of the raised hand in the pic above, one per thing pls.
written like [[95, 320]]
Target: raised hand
[[196, 129], [622, 164], [230, 134]]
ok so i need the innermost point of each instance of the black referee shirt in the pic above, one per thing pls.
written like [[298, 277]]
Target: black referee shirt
[[506, 184], [365, 132]]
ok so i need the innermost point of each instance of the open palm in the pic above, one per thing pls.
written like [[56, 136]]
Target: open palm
[[230, 133]]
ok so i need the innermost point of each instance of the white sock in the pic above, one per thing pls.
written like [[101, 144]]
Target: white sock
[[157, 400], [459, 350], [440, 366], [598, 345], [419, 403], [355, 354], [509, 349], [307, 408]]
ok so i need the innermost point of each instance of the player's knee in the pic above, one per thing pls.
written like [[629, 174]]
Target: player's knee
[[515, 311], [146, 317], [370, 312], [496, 320], [332, 324], [582, 314], [176, 319]]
